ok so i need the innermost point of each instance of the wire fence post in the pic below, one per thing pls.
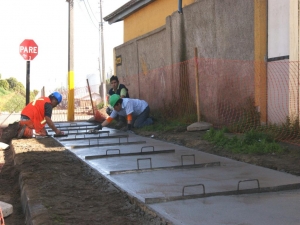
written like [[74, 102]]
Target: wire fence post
[[197, 86], [87, 80]]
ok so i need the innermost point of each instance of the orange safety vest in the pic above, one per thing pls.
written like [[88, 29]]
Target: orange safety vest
[[36, 112]]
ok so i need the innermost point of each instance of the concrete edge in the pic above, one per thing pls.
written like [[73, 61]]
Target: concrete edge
[[32, 206]]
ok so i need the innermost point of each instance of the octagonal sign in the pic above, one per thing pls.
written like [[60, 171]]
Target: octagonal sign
[[28, 49]]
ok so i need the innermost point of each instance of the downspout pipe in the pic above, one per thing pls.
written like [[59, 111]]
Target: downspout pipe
[[180, 6]]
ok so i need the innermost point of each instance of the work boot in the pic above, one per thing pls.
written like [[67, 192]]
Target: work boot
[[21, 131]]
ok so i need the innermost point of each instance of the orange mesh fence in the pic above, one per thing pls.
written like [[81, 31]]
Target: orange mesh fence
[[170, 90], [83, 108], [226, 90], [283, 100], [223, 87], [238, 95]]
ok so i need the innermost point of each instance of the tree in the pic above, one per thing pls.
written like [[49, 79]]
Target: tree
[[33, 94], [12, 83], [4, 84], [20, 88], [15, 85]]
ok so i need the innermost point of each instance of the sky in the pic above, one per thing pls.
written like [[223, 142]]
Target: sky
[[46, 22]]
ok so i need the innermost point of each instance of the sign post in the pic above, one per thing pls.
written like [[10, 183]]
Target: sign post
[[28, 50]]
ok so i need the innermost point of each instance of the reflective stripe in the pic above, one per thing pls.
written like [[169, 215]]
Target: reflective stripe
[[33, 103], [129, 117], [109, 119]]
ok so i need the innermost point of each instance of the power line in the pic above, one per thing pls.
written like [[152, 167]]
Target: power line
[[88, 13], [92, 10]]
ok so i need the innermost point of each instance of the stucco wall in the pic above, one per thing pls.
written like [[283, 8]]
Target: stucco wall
[[220, 30], [140, 56]]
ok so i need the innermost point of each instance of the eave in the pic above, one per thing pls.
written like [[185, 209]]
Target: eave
[[126, 10]]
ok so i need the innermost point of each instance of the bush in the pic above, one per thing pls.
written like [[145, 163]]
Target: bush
[[4, 85]]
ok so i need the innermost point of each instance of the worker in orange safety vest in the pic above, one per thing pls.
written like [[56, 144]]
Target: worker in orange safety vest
[[36, 115]]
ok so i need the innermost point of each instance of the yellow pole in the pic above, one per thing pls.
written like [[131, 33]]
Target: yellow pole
[[70, 65], [260, 52]]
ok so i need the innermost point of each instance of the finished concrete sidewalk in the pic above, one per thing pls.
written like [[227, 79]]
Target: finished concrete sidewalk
[[186, 186]]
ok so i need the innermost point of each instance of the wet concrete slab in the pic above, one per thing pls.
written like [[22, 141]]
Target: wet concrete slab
[[215, 194]]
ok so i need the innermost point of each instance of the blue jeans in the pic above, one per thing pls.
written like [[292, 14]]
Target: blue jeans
[[143, 119]]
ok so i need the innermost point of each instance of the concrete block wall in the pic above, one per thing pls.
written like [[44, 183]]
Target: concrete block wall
[[220, 30]]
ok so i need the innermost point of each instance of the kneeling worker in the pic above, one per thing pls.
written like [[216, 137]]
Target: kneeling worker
[[37, 114], [135, 110]]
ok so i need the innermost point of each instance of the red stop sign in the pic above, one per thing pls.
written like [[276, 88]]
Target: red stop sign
[[28, 49]]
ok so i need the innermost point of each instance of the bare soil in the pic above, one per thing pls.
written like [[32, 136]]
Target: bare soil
[[72, 193], [65, 188]]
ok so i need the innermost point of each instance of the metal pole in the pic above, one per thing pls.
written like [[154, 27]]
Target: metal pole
[[102, 54], [27, 82], [180, 6], [197, 86], [87, 81], [71, 64], [99, 58]]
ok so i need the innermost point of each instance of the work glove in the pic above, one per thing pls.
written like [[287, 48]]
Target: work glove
[[96, 129], [99, 127]]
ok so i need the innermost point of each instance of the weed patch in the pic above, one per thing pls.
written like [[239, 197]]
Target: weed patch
[[252, 142]]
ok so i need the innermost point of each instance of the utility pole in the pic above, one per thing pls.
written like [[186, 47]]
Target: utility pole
[[101, 49], [71, 63]]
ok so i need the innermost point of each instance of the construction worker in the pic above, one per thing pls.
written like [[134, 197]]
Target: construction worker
[[36, 115], [116, 88], [135, 110]]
